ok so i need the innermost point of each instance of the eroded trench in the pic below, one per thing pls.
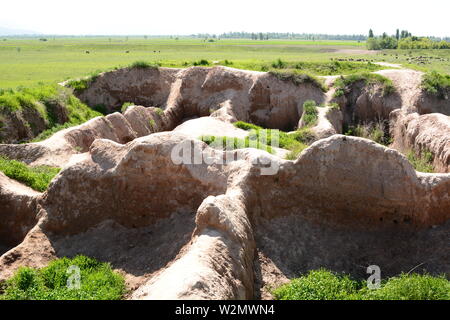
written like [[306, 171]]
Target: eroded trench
[[121, 199]]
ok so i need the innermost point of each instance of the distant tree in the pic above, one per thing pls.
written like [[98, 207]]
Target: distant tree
[[384, 35], [370, 33], [145, 37], [397, 34], [261, 36]]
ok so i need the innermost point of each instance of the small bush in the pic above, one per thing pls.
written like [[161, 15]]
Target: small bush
[[310, 113], [342, 84], [159, 112], [375, 131], [125, 106], [201, 62], [436, 83], [144, 65], [80, 85], [246, 126], [37, 178], [325, 285], [97, 282], [423, 162], [232, 143]]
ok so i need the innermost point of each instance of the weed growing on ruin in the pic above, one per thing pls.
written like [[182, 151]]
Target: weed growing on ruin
[[97, 281], [422, 162], [80, 85], [326, 68], [202, 62], [125, 106], [297, 77], [37, 178], [376, 131], [310, 113], [437, 84], [326, 285], [77, 113], [232, 143], [295, 141], [159, 112], [343, 83], [144, 65]]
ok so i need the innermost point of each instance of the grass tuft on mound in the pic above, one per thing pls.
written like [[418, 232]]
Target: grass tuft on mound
[[97, 281], [344, 82], [37, 178], [422, 162], [325, 285], [232, 143], [295, 141], [144, 65], [436, 83]]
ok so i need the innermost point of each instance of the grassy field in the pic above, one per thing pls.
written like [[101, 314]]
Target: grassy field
[[25, 62]]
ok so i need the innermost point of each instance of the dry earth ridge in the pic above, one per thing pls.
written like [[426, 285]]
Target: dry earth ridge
[[224, 231]]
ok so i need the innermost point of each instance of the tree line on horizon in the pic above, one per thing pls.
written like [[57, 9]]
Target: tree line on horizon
[[405, 40]]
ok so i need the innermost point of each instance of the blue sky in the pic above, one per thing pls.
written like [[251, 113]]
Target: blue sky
[[186, 17]]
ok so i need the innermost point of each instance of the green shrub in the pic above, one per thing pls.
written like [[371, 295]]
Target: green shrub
[[144, 65], [325, 285], [297, 77], [436, 83], [159, 112], [201, 62], [423, 162], [295, 142], [80, 85], [37, 178], [324, 68], [125, 106], [310, 113], [342, 84], [232, 143], [319, 285], [97, 282], [412, 287], [376, 131]]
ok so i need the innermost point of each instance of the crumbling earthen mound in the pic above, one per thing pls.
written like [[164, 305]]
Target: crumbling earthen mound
[[228, 227]]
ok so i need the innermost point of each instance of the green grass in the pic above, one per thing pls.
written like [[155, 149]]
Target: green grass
[[60, 59], [232, 143], [326, 68], [342, 84], [295, 142], [310, 113], [37, 178], [144, 65], [436, 83], [97, 282], [422, 162], [325, 285], [126, 105], [44, 98], [376, 131]]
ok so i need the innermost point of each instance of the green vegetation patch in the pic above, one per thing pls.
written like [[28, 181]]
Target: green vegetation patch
[[232, 143], [326, 68], [297, 77], [46, 99], [37, 178], [436, 83], [375, 131], [325, 285], [343, 83], [310, 113], [144, 65], [58, 281], [295, 141], [82, 84], [422, 162]]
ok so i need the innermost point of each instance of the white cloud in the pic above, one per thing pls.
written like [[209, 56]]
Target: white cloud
[[186, 17]]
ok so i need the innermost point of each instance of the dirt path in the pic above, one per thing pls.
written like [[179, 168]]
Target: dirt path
[[407, 83]]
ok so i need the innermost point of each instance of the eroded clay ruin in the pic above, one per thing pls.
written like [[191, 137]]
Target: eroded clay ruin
[[224, 230]]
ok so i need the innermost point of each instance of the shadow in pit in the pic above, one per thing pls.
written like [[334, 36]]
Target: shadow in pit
[[136, 251], [291, 246]]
